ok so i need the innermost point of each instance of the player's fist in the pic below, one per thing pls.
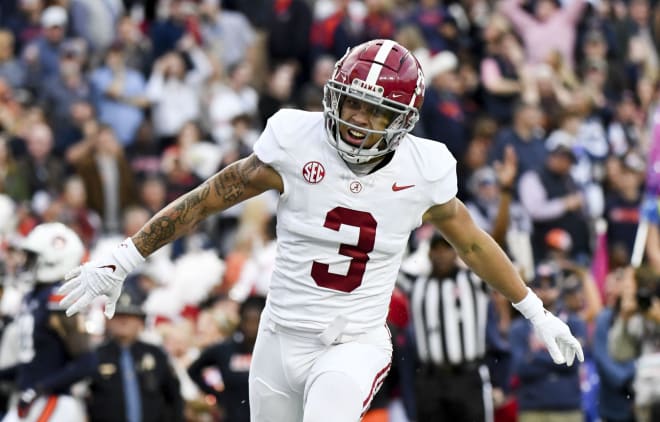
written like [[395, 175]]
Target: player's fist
[[103, 277], [556, 335]]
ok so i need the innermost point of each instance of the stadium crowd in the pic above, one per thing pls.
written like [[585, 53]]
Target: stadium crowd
[[110, 109]]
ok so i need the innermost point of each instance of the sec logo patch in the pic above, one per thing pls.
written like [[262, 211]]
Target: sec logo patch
[[313, 172]]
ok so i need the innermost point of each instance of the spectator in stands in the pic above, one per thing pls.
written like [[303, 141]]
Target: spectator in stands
[[108, 179], [278, 93], [174, 91], [230, 100], [71, 209], [166, 32], [526, 137], [545, 391], [41, 56], [227, 33], [137, 49], [11, 181], [553, 200], [11, 70], [550, 27], [289, 29], [61, 91], [153, 193], [184, 167], [442, 116], [232, 358], [341, 29], [43, 171], [311, 93], [615, 402], [624, 201], [432, 17], [24, 21], [119, 94], [476, 154], [501, 70], [95, 22], [626, 129]]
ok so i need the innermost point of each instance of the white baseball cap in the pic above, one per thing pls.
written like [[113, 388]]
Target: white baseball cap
[[53, 16], [440, 63]]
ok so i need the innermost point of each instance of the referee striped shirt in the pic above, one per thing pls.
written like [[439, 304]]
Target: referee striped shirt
[[449, 318]]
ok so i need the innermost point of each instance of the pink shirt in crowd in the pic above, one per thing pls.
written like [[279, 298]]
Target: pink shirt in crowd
[[541, 38]]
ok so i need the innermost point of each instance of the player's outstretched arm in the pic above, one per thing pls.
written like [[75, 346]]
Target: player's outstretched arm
[[477, 248], [482, 254], [235, 183], [105, 276]]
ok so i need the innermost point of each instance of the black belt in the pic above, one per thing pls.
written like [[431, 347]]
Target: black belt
[[460, 368]]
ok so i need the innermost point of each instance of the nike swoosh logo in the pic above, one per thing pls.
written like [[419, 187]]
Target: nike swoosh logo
[[396, 188], [112, 267]]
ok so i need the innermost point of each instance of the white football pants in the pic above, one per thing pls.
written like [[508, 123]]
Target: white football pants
[[294, 377]]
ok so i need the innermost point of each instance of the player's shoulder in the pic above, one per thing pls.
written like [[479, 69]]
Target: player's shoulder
[[289, 125], [432, 159]]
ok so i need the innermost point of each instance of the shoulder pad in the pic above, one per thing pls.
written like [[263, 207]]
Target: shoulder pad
[[432, 158], [289, 125]]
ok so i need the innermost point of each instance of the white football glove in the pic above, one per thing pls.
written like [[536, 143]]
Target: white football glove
[[102, 277], [556, 335]]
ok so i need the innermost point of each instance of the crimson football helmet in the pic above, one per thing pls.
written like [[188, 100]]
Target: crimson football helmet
[[384, 74]]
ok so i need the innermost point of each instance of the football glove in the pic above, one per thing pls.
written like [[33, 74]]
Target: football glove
[[25, 400], [102, 277], [556, 335]]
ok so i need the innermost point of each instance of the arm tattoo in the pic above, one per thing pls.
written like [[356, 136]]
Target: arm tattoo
[[229, 187], [230, 184]]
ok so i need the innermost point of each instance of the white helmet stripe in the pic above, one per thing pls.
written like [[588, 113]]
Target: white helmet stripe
[[381, 56]]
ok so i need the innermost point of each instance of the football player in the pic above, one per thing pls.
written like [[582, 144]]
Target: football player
[[353, 184], [47, 340]]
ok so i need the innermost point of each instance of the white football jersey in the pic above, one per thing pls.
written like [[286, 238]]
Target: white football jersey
[[341, 237]]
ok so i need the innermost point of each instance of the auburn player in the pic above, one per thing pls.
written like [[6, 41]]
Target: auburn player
[[353, 184], [47, 340]]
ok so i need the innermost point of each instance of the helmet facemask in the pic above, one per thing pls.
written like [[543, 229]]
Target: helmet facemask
[[402, 122]]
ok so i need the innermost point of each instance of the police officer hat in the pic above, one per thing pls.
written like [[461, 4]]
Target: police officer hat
[[128, 304]]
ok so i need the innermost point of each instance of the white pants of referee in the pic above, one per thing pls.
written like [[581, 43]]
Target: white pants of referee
[[294, 377]]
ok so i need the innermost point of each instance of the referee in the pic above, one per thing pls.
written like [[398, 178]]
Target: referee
[[450, 310]]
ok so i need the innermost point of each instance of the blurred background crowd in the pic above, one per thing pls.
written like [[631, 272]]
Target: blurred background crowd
[[109, 109]]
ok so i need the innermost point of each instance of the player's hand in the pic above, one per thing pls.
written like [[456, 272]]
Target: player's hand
[[25, 400], [103, 277], [93, 279], [556, 335]]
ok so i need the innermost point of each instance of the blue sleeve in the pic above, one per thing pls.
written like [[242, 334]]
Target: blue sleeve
[[210, 357], [615, 374], [84, 366]]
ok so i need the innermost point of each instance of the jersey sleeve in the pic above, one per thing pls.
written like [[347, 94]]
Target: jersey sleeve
[[446, 187], [268, 149], [438, 168]]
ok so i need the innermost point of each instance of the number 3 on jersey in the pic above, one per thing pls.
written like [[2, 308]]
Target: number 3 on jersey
[[358, 253]]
